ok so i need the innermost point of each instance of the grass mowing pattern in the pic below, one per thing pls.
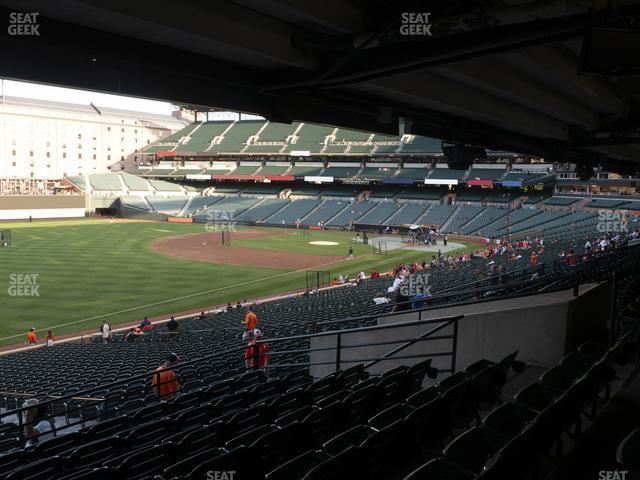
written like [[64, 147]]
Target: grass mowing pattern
[[90, 270]]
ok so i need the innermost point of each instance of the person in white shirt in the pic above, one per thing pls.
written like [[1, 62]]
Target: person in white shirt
[[361, 276], [105, 331], [36, 422], [380, 299]]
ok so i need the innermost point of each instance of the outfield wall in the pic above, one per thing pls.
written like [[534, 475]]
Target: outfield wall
[[21, 207]]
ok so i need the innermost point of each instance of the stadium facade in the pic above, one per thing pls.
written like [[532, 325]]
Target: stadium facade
[[43, 140]]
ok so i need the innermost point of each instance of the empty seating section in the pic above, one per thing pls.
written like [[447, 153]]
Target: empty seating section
[[245, 169], [486, 217], [168, 205], [407, 214], [341, 191], [470, 195], [565, 201], [501, 197], [346, 135], [385, 192], [365, 149], [188, 171], [606, 203], [422, 145], [422, 193], [133, 182], [375, 172], [293, 211], [228, 207], [235, 138], [273, 170], [162, 186], [105, 182], [351, 213], [436, 215], [493, 174], [262, 189], [216, 171], [229, 188], [546, 218], [386, 143], [634, 205], [413, 173], [161, 171], [506, 223], [184, 132], [198, 203], [304, 170], [260, 211], [326, 210], [311, 138], [378, 214], [335, 149], [341, 172], [447, 174], [521, 176], [136, 202], [200, 138], [534, 197], [273, 137], [461, 217], [307, 190]]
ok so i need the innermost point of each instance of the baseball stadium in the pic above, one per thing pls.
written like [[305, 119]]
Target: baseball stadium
[[288, 240]]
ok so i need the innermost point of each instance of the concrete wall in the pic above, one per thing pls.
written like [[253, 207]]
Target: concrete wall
[[537, 326], [21, 207]]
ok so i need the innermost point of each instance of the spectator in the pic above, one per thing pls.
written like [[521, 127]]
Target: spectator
[[238, 305], [131, 335], [32, 338], [334, 282], [165, 381], [534, 258], [401, 302], [49, 339], [251, 320], [380, 299], [145, 322], [229, 307], [36, 422], [262, 352], [172, 325], [105, 331], [147, 327]]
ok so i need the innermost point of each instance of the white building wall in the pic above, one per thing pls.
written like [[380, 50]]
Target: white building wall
[[48, 140]]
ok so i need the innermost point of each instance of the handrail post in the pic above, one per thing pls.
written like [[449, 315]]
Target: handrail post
[[454, 349], [338, 350]]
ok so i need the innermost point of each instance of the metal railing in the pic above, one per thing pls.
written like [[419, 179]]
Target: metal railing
[[91, 405]]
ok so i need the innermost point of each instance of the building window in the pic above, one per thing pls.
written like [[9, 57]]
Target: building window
[[79, 156], [64, 154], [31, 153], [108, 157], [13, 152], [79, 136], [108, 129], [48, 154], [122, 158], [94, 156]]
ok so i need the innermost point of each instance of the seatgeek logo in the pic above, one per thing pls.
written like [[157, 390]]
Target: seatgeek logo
[[612, 221], [415, 24], [220, 220], [24, 285], [23, 24]]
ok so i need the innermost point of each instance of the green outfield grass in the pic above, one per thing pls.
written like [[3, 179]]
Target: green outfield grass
[[90, 270]]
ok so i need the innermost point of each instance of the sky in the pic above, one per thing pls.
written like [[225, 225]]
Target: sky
[[57, 94], [12, 88]]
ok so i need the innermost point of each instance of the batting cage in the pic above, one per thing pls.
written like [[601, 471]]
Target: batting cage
[[380, 248], [317, 279], [5, 238]]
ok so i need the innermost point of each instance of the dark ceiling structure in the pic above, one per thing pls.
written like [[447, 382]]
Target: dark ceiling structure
[[558, 78]]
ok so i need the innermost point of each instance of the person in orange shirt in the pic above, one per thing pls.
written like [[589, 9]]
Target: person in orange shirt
[[334, 282], [32, 339], [251, 320], [534, 258], [165, 381]]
